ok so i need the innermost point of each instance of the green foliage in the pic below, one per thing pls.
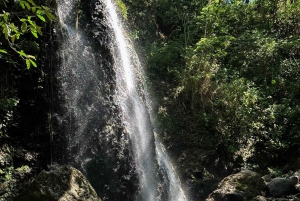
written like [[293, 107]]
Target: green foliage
[[14, 27], [122, 8], [7, 109], [166, 60], [21, 27], [234, 72]]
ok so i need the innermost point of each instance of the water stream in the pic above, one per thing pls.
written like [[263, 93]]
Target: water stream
[[93, 131], [149, 153]]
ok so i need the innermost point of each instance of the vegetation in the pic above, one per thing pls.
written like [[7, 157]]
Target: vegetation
[[16, 21], [21, 24], [227, 74], [24, 102]]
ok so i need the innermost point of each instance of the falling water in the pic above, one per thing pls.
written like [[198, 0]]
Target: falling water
[[99, 99], [134, 111], [150, 156], [91, 135]]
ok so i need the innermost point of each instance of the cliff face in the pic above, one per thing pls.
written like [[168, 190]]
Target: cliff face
[[88, 133]]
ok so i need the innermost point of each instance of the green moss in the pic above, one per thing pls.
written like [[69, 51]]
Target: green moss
[[122, 8]]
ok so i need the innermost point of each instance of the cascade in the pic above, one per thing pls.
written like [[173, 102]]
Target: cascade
[[106, 123], [133, 102]]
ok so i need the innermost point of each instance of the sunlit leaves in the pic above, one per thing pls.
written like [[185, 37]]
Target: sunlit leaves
[[5, 16], [25, 22], [30, 62], [22, 53], [122, 8], [3, 51], [41, 18], [29, 59], [24, 27]]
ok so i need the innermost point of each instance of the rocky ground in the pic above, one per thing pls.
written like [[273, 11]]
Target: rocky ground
[[19, 169], [251, 186]]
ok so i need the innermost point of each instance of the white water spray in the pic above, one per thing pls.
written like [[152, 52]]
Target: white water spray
[[150, 156]]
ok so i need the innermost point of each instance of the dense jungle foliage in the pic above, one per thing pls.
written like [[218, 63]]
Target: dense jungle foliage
[[25, 90], [22, 24], [226, 75]]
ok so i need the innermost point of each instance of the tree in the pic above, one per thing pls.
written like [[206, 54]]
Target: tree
[[21, 25], [19, 18]]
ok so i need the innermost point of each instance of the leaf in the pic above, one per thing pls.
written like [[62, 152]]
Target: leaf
[[34, 33], [41, 18], [22, 4], [50, 15], [24, 27], [38, 29], [3, 51], [46, 8], [39, 11], [13, 27], [5, 31], [13, 38], [32, 57], [32, 62], [5, 16], [28, 63], [31, 22], [27, 5], [32, 2], [33, 9], [22, 53]]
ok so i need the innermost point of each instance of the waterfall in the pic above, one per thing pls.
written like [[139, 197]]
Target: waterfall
[[150, 155], [89, 133], [104, 118]]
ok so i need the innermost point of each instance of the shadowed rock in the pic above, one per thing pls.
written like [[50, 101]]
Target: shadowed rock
[[281, 186], [65, 183], [242, 186]]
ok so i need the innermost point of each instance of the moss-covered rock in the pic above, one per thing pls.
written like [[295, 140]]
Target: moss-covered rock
[[244, 185], [65, 183]]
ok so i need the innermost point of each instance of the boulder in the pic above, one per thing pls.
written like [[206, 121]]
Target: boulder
[[64, 183], [281, 186], [242, 186]]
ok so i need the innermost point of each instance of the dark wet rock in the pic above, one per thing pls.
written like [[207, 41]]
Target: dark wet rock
[[294, 179], [281, 186], [65, 183], [244, 185]]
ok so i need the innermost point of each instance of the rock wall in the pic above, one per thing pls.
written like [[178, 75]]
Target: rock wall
[[90, 135]]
